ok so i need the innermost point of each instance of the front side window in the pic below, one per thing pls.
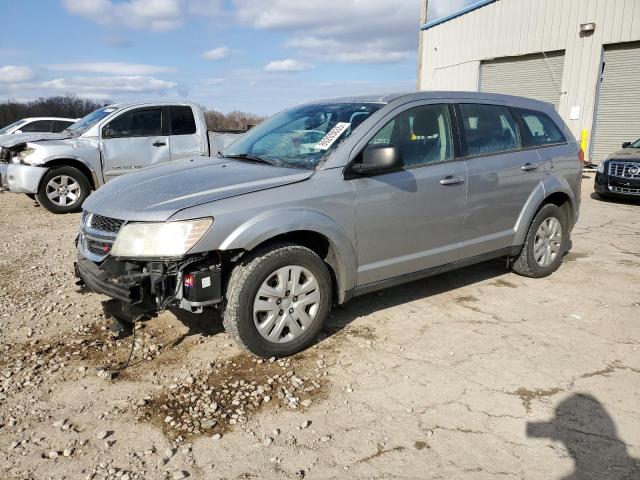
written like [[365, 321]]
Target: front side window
[[37, 126], [489, 129], [423, 135], [182, 121], [303, 136], [136, 123], [636, 144], [60, 125], [540, 129]]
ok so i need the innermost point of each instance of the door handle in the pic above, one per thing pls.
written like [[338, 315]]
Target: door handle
[[159, 143], [451, 180], [528, 167]]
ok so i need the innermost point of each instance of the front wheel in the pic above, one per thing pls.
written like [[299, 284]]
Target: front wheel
[[278, 300], [63, 190], [546, 242]]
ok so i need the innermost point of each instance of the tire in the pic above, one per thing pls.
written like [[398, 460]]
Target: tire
[[526, 263], [260, 269], [63, 176]]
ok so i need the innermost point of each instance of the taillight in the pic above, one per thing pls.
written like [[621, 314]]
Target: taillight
[[581, 156]]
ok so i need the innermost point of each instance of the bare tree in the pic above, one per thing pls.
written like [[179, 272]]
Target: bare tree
[[61, 106]]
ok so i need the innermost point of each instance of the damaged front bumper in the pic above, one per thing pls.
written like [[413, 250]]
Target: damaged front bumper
[[147, 288], [20, 178]]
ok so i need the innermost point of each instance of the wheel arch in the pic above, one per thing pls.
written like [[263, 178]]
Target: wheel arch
[[78, 163], [313, 230]]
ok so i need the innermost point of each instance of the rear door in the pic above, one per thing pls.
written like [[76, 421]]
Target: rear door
[[134, 140], [184, 139], [502, 176], [411, 220]]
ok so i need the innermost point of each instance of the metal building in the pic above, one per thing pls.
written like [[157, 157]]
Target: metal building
[[583, 56]]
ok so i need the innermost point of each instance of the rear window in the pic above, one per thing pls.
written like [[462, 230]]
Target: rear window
[[539, 129], [489, 129], [60, 125], [182, 121], [37, 126]]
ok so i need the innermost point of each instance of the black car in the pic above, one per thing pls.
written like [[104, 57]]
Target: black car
[[619, 175]]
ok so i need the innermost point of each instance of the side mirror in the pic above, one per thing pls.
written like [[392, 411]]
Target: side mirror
[[18, 131], [626, 144], [379, 159]]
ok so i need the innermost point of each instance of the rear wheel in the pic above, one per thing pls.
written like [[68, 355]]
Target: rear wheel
[[545, 244], [278, 300], [63, 190]]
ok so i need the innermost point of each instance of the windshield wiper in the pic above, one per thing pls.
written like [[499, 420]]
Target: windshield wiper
[[249, 157]]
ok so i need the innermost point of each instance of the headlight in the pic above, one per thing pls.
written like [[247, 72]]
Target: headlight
[[158, 240], [601, 167]]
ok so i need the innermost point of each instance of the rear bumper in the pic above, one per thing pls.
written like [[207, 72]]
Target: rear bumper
[[19, 178]]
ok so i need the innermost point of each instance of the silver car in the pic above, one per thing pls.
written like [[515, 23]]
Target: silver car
[[334, 199]]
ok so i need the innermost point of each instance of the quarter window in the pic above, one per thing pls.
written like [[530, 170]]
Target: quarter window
[[182, 121], [137, 123], [423, 135], [540, 129], [489, 129]]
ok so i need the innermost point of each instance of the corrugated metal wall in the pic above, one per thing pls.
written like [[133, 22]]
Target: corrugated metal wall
[[508, 28], [536, 76]]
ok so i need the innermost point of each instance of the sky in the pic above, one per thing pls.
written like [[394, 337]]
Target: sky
[[251, 55]]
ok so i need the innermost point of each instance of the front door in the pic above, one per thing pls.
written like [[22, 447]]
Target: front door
[[502, 177], [411, 220], [132, 141]]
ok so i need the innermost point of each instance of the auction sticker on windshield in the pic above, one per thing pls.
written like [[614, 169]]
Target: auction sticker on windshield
[[333, 135]]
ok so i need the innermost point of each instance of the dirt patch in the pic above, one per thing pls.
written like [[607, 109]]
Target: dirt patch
[[504, 283], [230, 392], [528, 396], [573, 256]]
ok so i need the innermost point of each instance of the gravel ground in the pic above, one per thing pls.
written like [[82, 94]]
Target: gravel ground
[[469, 375]]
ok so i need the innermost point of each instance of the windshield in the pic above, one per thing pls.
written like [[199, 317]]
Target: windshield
[[10, 126], [85, 123], [636, 144], [301, 136]]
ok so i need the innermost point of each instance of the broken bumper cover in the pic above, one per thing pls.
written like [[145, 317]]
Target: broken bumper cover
[[19, 178], [151, 287]]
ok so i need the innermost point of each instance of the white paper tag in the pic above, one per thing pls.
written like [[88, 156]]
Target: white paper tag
[[332, 136], [206, 282]]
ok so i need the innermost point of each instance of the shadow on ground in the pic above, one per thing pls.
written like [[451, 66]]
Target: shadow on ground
[[587, 431]]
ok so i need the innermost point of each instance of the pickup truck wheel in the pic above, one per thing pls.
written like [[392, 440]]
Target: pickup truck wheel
[[278, 300], [63, 190], [545, 244]]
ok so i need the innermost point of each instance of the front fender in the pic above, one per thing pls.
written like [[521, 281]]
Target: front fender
[[268, 225], [69, 159]]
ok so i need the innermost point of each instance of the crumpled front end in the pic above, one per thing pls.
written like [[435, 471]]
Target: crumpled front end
[[144, 287], [16, 176]]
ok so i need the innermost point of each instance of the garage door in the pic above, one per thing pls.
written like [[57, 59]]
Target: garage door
[[536, 76], [618, 106]]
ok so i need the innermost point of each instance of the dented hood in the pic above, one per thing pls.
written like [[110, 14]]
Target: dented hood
[[156, 193], [13, 139]]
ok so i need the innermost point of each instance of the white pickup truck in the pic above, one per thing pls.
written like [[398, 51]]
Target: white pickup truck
[[61, 170]]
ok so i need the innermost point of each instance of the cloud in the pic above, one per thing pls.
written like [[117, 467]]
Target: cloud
[[112, 68], [156, 15], [115, 84], [216, 54], [441, 8], [349, 31], [15, 74], [287, 65]]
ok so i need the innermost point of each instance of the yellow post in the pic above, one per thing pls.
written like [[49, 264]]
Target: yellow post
[[584, 135]]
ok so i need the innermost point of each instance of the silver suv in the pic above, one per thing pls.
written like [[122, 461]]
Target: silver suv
[[334, 199]]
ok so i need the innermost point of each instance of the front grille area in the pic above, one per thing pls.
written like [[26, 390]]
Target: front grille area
[[4, 155], [105, 224], [625, 190], [624, 169]]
